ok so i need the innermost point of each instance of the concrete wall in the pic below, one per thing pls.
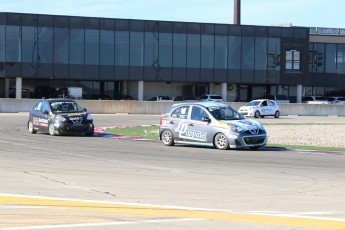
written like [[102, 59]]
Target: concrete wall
[[10, 105]]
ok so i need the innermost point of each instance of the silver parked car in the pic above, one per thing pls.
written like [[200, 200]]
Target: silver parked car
[[210, 124]]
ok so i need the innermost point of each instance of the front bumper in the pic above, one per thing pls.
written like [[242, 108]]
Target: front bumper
[[66, 128]]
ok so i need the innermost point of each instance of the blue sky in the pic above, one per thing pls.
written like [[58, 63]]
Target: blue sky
[[310, 13]]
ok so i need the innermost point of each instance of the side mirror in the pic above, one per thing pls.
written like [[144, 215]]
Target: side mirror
[[85, 110], [206, 119]]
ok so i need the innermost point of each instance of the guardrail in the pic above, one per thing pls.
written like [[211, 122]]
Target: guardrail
[[10, 105]]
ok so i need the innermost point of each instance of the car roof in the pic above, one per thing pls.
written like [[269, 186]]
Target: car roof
[[57, 100], [204, 104]]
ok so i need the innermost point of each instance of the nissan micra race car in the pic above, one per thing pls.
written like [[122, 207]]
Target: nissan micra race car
[[260, 108], [210, 124], [60, 116]]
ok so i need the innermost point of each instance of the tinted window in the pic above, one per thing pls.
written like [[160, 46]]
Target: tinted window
[[198, 113], [92, 47], [216, 97], [77, 46], [61, 45]]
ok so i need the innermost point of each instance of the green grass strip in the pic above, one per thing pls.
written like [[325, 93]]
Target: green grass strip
[[146, 132]]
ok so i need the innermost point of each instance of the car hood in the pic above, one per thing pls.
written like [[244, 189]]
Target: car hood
[[67, 115], [245, 124]]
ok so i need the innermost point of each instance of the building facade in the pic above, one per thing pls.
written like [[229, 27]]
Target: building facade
[[142, 58]]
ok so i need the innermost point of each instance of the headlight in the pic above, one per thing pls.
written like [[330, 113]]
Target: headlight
[[235, 128], [89, 117], [60, 118]]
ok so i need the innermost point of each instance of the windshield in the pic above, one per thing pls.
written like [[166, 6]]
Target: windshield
[[224, 113], [253, 103], [65, 107]]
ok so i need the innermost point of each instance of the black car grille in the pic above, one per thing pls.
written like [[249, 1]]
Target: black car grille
[[255, 131], [254, 140]]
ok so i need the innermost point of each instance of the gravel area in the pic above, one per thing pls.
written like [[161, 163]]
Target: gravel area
[[323, 135]]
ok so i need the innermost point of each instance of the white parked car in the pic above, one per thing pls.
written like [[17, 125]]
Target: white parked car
[[211, 97], [260, 108]]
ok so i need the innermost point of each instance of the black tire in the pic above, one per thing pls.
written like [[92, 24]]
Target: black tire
[[257, 114], [31, 127], [277, 114], [221, 141], [51, 128], [167, 137], [89, 134]]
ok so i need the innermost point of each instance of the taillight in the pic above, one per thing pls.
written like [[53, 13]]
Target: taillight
[[160, 121]]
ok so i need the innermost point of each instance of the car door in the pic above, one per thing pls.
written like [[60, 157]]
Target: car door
[[178, 121], [198, 128], [40, 118], [265, 109]]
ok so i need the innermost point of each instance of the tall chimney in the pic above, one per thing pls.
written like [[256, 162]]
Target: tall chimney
[[237, 12]]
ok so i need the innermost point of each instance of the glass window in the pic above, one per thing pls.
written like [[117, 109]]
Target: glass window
[[193, 50], [107, 47], [45, 45], [234, 60], [151, 49], [29, 44], [165, 49], [198, 113], [260, 53], [247, 52], [61, 45], [122, 48], [340, 58], [316, 57], [2, 43], [179, 50], [92, 47], [207, 51], [136, 49], [181, 112], [77, 46], [13, 46], [330, 62], [293, 60], [221, 52], [273, 54]]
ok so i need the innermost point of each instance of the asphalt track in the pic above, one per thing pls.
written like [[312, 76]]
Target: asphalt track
[[78, 182]]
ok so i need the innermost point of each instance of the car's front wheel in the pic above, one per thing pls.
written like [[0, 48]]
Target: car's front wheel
[[277, 114], [221, 141], [52, 131], [167, 137], [31, 127]]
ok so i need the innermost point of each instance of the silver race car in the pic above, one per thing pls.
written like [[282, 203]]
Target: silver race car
[[210, 124]]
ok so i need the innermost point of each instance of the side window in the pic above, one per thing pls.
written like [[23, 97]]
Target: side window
[[198, 113], [272, 103], [38, 106], [264, 103], [181, 112], [45, 106]]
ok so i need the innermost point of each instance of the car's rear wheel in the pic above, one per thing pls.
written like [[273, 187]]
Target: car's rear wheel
[[31, 127], [257, 114], [221, 141], [277, 114], [167, 137], [52, 131]]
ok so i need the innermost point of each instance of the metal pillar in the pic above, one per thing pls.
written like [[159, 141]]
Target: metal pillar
[[224, 91], [299, 94], [140, 90], [18, 88]]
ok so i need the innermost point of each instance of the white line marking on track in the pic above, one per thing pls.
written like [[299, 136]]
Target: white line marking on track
[[99, 224]]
